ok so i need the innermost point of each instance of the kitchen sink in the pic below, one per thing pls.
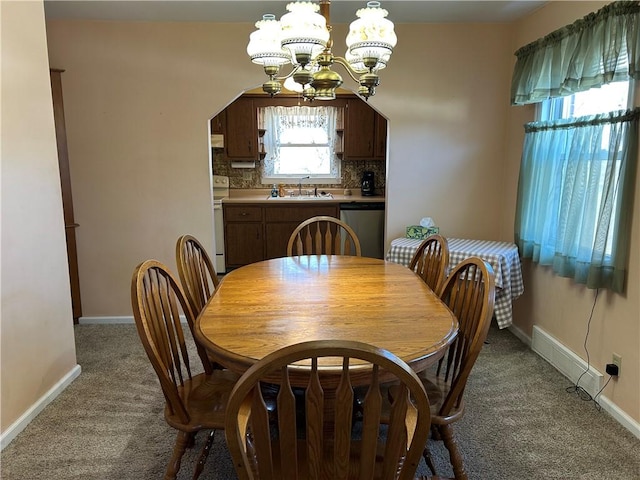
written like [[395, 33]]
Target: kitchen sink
[[302, 198]]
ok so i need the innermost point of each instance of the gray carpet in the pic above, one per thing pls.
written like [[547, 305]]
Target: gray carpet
[[520, 422]]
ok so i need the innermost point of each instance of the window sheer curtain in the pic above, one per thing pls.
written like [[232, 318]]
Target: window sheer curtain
[[575, 196], [577, 175], [278, 119]]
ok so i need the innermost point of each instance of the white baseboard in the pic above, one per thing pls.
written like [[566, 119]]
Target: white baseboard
[[524, 338], [572, 366], [623, 419], [567, 362], [21, 423]]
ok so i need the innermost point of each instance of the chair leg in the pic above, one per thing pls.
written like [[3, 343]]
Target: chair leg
[[182, 440], [203, 455], [454, 454], [426, 453]]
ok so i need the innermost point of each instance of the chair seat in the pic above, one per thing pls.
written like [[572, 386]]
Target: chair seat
[[205, 397], [437, 390]]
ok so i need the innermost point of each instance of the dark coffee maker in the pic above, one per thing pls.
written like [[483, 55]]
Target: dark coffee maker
[[368, 186]]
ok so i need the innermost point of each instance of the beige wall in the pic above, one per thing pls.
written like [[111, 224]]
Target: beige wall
[[446, 93], [558, 305], [138, 97], [37, 344]]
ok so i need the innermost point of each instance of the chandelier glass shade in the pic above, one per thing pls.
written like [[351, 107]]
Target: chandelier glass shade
[[302, 38]]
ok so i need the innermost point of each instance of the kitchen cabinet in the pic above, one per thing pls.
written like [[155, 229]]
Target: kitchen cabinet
[[360, 131], [281, 221], [365, 132], [219, 123], [244, 238], [380, 145], [255, 232], [242, 130]]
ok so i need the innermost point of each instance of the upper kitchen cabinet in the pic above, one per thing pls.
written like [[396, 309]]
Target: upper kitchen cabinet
[[365, 132], [218, 123], [380, 147], [241, 128]]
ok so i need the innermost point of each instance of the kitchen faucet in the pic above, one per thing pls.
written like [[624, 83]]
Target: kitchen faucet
[[300, 185]]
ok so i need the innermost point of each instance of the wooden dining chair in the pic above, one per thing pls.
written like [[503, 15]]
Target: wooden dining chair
[[469, 292], [193, 402], [323, 235], [197, 274], [431, 261], [320, 442]]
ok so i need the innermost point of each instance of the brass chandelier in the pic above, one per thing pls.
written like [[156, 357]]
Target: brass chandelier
[[302, 38]]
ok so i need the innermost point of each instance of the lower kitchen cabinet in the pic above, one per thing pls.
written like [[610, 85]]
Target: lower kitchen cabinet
[[281, 221], [257, 232], [243, 235], [278, 235]]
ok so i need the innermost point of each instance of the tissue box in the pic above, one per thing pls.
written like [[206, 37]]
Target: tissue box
[[419, 232]]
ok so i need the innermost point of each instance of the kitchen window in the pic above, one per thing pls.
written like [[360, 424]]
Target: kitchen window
[[300, 141]]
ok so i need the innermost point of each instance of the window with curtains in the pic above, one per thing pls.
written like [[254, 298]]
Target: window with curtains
[[578, 167], [607, 98], [299, 141]]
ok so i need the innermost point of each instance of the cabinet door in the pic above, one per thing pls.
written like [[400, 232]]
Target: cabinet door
[[218, 123], [243, 234], [243, 243], [242, 132], [282, 220], [380, 152], [359, 131], [277, 235]]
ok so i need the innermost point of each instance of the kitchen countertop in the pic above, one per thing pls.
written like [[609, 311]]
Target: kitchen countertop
[[258, 195]]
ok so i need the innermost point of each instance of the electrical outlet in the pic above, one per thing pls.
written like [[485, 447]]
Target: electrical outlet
[[617, 360]]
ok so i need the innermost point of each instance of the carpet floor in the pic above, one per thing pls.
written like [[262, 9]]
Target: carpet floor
[[520, 422]]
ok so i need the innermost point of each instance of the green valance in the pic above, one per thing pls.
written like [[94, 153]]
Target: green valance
[[600, 48]]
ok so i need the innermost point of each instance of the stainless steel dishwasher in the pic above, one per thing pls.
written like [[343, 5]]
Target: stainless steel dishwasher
[[367, 220]]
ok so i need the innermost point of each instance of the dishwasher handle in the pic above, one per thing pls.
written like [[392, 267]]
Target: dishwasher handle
[[362, 206]]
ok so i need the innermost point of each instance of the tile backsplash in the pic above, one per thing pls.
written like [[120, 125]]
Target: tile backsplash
[[251, 177]]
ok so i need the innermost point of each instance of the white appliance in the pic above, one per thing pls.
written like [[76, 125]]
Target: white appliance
[[220, 191]]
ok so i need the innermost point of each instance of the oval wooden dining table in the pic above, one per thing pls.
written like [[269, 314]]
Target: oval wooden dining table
[[264, 306]]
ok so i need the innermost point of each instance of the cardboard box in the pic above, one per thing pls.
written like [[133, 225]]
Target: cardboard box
[[419, 232]]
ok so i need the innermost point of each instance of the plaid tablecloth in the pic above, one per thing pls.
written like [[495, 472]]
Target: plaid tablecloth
[[502, 256]]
